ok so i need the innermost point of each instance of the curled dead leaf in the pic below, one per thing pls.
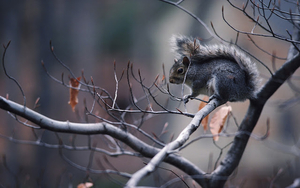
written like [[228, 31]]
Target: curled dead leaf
[[85, 185], [218, 120], [75, 85]]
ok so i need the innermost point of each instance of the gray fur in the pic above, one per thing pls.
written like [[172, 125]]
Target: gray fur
[[224, 71]]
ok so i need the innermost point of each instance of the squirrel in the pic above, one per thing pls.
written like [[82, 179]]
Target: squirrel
[[220, 71]]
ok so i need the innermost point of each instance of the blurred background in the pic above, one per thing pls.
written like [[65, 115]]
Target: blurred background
[[90, 36]]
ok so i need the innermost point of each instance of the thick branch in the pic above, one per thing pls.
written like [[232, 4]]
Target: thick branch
[[234, 155], [98, 128]]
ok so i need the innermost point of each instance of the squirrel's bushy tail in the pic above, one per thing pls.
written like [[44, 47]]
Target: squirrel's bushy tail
[[183, 45]]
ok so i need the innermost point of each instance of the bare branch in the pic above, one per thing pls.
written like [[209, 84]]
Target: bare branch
[[192, 15], [10, 77], [169, 148], [236, 151], [97, 128]]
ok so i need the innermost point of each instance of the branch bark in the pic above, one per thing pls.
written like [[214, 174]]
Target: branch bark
[[172, 146], [234, 155], [98, 128]]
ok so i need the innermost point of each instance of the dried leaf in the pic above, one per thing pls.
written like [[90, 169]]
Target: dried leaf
[[218, 120], [85, 185], [74, 83], [204, 122], [88, 184]]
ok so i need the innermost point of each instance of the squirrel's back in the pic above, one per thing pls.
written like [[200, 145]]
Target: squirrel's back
[[190, 47]]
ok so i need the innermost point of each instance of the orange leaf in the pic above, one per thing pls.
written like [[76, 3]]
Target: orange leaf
[[204, 122], [218, 120], [85, 185], [74, 83]]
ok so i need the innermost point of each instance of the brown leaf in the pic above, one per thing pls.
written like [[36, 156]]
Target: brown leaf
[[74, 83], [204, 122], [218, 120], [85, 185], [81, 185]]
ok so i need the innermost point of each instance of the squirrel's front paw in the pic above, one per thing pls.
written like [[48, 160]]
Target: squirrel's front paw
[[186, 98], [211, 98], [214, 96]]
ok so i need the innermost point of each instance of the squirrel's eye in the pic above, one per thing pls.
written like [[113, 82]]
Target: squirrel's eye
[[180, 70]]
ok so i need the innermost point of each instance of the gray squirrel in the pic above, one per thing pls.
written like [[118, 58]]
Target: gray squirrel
[[220, 71]]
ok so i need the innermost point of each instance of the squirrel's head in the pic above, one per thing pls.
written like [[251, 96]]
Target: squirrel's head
[[178, 70]]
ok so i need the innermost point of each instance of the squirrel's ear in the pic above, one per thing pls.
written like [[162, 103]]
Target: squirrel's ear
[[175, 60], [186, 61]]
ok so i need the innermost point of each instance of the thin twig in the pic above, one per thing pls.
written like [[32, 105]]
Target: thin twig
[[10, 77]]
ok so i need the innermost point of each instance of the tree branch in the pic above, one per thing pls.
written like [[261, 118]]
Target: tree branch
[[99, 128], [234, 155], [169, 148]]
